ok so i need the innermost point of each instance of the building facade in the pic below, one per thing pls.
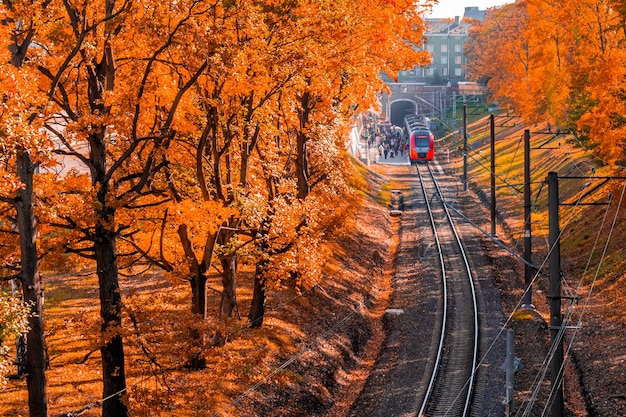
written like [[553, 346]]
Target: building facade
[[445, 40]]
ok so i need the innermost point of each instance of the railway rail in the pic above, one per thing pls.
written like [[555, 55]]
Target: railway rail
[[450, 389]]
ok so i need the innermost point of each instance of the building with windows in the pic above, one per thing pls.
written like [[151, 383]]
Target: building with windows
[[445, 40]]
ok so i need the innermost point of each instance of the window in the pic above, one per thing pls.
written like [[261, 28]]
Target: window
[[421, 140], [429, 48], [457, 60], [458, 48], [444, 60], [444, 47], [457, 72], [444, 72]]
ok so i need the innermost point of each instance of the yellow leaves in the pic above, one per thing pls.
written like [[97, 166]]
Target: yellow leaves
[[201, 216], [202, 220], [605, 123], [19, 130], [9, 184], [64, 200], [14, 315]]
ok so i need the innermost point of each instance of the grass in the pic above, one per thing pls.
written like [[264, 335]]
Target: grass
[[582, 198], [385, 194], [522, 315]]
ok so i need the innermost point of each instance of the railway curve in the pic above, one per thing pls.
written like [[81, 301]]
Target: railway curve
[[399, 381]]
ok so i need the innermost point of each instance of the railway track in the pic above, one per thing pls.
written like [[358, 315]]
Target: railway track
[[452, 382]]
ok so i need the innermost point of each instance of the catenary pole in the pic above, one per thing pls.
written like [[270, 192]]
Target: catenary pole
[[528, 271], [492, 125], [464, 146], [556, 398], [510, 373]]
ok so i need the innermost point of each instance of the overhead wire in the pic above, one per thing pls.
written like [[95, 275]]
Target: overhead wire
[[569, 311], [504, 180], [305, 349], [519, 142], [519, 303], [518, 193], [543, 370], [595, 278], [547, 360], [291, 360], [561, 333]]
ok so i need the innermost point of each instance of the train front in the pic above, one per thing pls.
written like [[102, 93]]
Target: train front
[[421, 146]]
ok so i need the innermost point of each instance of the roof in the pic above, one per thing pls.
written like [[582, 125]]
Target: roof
[[455, 26], [474, 13]]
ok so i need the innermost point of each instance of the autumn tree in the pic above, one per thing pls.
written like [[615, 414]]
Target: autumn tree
[[284, 55], [561, 63], [110, 73], [212, 163], [499, 50], [23, 149]]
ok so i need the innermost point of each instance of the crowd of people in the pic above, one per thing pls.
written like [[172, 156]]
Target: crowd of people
[[389, 140]]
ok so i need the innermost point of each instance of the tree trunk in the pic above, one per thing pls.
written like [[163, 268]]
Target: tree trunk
[[197, 274], [32, 290], [229, 288], [105, 251], [198, 294], [307, 103], [113, 374], [257, 307], [302, 167]]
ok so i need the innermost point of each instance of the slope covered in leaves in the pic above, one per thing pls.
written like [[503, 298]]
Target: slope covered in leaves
[[592, 209], [205, 140], [293, 352]]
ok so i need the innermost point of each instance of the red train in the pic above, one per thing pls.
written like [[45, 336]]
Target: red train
[[421, 139]]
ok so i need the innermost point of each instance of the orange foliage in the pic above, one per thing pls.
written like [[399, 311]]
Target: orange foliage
[[499, 51], [197, 137], [563, 64]]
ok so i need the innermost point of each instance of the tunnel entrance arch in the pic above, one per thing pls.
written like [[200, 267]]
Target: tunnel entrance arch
[[399, 109]]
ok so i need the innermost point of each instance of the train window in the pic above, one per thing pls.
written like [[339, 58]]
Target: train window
[[422, 141]]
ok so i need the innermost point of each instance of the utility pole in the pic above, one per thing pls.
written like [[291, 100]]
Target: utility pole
[[554, 296], [528, 271], [492, 125], [464, 145]]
